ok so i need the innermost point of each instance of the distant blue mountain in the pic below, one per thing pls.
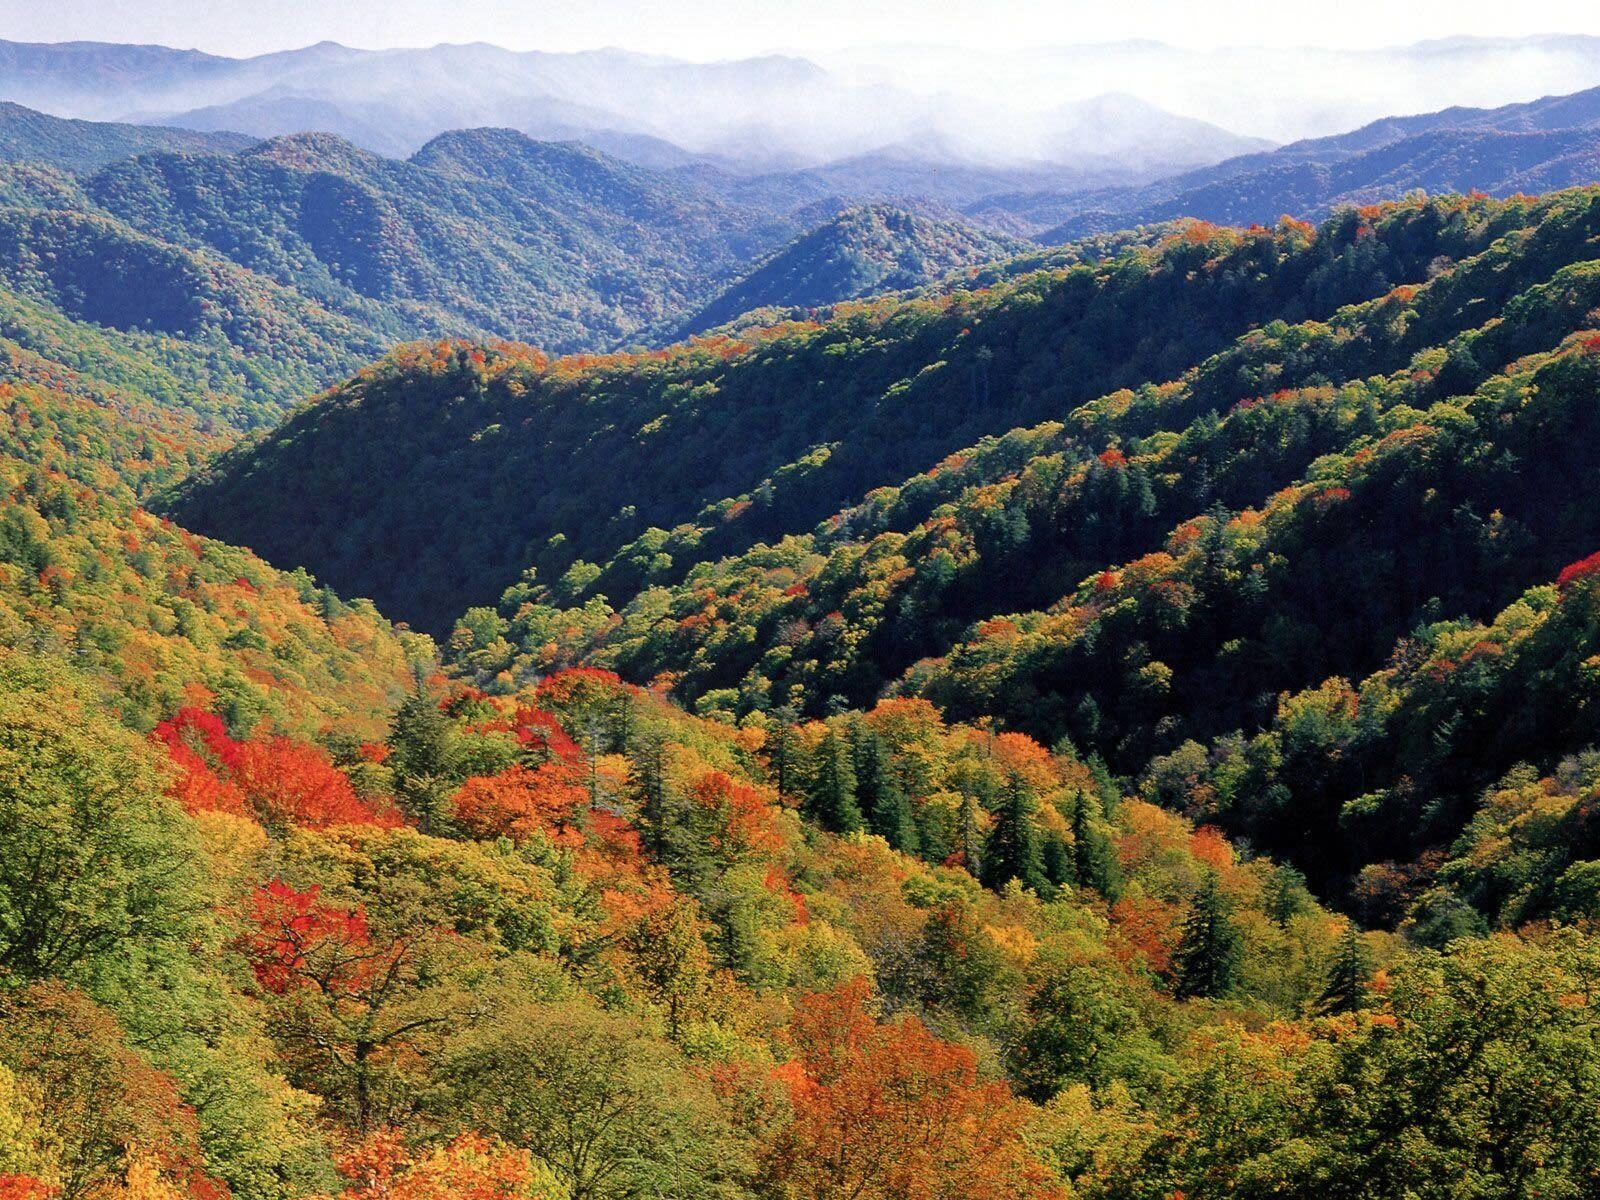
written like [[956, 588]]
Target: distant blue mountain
[[1545, 144]]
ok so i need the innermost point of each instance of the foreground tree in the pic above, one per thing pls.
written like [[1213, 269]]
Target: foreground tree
[[94, 856], [615, 1112], [1207, 959], [352, 998], [890, 1112]]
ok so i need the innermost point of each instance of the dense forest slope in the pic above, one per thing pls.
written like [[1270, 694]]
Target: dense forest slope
[[268, 273], [184, 327], [326, 932], [1286, 530], [496, 459], [861, 252], [486, 230], [1145, 573], [157, 615], [1537, 146], [29, 136]]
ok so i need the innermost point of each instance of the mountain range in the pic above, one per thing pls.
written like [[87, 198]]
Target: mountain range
[[895, 710], [1534, 146], [654, 110]]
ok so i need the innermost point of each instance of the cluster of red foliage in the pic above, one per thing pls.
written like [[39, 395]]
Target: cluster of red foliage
[[746, 813], [575, 685], [24, 1187], [275, 780], [293, 932], [519, 802], [470, 1168], [541, 732], [1576, 572], [887, 1111], [1113, 458]]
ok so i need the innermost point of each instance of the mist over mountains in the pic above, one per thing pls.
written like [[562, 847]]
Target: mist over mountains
[[656, 110], [1123, 112], [1280, 93]]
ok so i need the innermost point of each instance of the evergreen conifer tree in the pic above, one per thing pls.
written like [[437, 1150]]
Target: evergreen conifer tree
[[1346, 989], [833, 787], [1013, 847], [1207, 960]]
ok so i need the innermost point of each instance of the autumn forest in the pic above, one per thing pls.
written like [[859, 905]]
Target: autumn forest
[[533, 671]]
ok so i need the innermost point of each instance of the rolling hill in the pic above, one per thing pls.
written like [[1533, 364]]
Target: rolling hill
[[1537, 146], [861, 252], [85, 146], [487, 231], [781, 429], [1148, 570]]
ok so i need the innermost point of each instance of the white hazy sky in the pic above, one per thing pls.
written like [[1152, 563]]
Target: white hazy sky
[[706, 29]]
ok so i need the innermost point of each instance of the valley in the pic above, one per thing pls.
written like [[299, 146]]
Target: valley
[[612, 658]]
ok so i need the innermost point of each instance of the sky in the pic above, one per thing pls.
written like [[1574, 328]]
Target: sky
[[711, 29]]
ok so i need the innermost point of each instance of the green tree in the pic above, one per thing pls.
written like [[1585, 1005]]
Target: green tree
[[1094, 858], [1076, 1022], [833, 786], [617, 1113], [1012, 850], [423, 757], [93, 857], [1207, 958], [881, 797], [1287, 895], [1348, 976]]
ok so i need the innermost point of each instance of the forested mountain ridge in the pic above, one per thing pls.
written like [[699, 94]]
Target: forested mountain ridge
[[862, 252], [1189, 549], [552, 243], [754, 438], [185, 328], [1231, 546], [1538, 146], [30, 136], [277, 269]]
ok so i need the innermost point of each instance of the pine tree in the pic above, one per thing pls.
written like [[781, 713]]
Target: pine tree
[[651, 790], [1094, 859], [423, 757], [1346, 989], [1207, 959], [1058, 862], [967, 833], [782, 762], [833, 787], [1012, 850], [1286, 895], [881, 798]]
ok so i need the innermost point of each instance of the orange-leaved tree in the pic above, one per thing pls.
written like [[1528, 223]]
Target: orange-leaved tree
[[890, 1112]]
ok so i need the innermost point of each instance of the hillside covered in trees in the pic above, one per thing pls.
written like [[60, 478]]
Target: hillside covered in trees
[[1162, 575], [1113, 723], [289, 909], [861, 252], [753, 436]]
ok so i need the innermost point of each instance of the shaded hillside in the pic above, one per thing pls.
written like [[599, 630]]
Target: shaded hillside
[[29, 136], [273, 271], [493, 460], [1156, 575], [185, 329], [482, 244], [1537, 146], [861, 252]]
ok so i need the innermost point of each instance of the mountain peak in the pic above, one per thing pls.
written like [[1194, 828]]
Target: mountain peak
[[314, 151]]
